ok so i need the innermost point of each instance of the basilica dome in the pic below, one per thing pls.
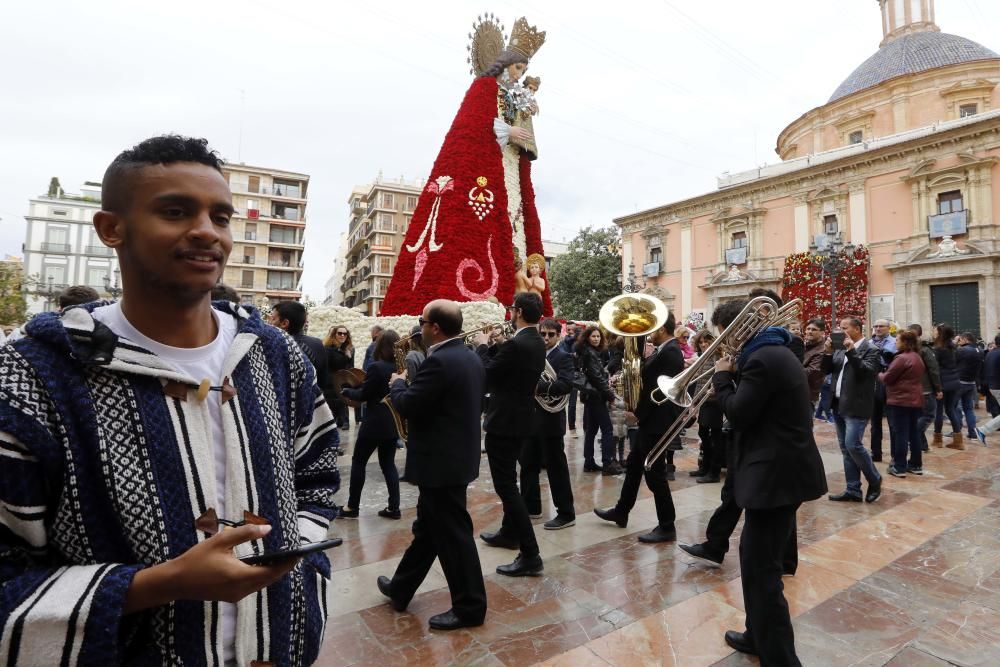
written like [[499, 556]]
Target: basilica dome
[[909, 54]]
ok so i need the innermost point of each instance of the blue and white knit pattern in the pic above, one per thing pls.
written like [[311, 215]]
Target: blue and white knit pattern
[[102, 473]]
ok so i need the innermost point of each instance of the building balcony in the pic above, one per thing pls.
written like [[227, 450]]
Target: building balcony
[[281, 264], [56, 247], [98, 251], [249, 236], [280, 241], [283, 191], [246, 259]]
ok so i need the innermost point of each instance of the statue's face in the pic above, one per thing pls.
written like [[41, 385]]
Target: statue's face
[[534, 269], [516, 71]]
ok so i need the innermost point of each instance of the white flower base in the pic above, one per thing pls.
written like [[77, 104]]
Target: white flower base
[[322, 318]]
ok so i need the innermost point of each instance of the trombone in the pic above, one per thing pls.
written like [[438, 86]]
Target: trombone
[[759, 314]]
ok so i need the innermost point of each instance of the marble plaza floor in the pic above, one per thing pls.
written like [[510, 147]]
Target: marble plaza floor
[[911, 580]]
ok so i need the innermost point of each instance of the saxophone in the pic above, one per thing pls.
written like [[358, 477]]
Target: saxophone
[[399, 351]]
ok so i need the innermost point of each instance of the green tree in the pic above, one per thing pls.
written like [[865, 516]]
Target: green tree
[[587, 274], [13, 307]]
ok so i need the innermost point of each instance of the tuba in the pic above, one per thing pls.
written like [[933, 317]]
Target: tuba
[[632, 316], [759, 314]]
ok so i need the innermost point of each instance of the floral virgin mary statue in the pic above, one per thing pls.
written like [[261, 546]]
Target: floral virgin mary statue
[[475, 225]]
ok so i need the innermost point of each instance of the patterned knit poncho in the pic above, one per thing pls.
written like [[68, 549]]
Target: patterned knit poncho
[[105, 464]]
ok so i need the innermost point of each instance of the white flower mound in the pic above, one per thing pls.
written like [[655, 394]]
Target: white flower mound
[[323, 318]]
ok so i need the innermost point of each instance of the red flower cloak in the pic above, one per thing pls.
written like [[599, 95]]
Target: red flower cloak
[[459, 243]]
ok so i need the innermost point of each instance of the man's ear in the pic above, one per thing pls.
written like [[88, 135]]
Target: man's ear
[[110, 228]]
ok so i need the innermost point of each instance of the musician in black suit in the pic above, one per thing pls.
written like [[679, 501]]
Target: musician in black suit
[[378, 430], [512, 372], [654, 420], [726, 516], [441, 406], [764, 394], [547, 441]]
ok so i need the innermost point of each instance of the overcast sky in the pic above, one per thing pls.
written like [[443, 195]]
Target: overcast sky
[[642, 103]]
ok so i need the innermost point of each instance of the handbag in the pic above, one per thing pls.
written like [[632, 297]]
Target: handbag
[[581, 382]]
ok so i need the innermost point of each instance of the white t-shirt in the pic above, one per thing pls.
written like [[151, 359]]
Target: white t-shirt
[[198, 363]]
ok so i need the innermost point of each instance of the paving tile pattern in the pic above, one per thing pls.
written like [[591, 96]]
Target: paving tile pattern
[[913, 579]]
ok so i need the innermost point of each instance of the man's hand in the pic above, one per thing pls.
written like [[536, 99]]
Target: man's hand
[[397, 376], [208, 571], [848, 343], [828, 346], [724, 365], [481, 338]]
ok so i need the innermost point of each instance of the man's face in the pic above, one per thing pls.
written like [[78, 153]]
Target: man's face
[[848, 327], [275, 320], [175, 234], [550, 336], [881, 328], [813, 333]]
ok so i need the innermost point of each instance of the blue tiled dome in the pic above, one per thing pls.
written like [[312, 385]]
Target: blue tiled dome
[[916, 52]]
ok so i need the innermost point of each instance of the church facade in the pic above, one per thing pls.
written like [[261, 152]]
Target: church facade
[[902, 159]]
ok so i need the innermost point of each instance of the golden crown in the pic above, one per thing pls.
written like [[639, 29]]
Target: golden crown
[[525, 39]]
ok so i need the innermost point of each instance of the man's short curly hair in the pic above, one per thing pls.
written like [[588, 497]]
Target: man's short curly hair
[[165, 149]]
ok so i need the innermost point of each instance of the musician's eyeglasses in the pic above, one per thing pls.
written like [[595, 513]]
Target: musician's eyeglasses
[[421, 321], [549, 334]]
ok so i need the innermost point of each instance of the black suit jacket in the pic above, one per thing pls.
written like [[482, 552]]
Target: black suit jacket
[[656, 419], [378, 423], [774, 453], [860, 366], [313, 349], [442, 405], [512, 372], [553, 424]]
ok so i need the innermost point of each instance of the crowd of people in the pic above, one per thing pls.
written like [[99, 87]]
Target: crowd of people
[[149, 444]]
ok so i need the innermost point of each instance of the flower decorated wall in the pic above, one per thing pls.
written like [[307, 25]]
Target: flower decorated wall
[[804, 279]]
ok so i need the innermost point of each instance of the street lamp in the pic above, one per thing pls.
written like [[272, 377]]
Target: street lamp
[[50, 293], [630, 286], [114, 290], [833, 259]]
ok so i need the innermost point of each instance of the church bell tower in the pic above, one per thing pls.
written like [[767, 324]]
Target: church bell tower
[[903, 17]]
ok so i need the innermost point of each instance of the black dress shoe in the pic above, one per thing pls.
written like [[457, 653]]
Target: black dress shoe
[[700, 472], [707, 479], [740, 642], [844, 497], [384, 584], [449, 621], [612, 469], [613, 515], [390, 514], [590, 466], [498, 540], [659, 534], [701, 553], [874, 491], [348, 514], [522, 567]]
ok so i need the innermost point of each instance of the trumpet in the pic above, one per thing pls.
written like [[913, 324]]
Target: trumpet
[[759, 314], [505, 329]]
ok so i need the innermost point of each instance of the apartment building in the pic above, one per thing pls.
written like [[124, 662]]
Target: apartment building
[[268, 230], [61, 247], [380, 214]]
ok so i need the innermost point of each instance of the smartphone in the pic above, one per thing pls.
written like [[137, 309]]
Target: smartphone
[[271, 557], [837, 338]]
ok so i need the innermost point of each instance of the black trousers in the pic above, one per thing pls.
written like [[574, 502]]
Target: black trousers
[[363, 450], [443, 530], [502, 454], [713, 442], [550, 449], [878, 414], [769, 625], [723, 523], [656, 481]]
